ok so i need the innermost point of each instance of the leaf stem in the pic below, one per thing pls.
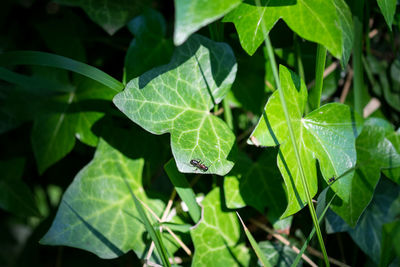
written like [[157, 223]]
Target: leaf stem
[[315, 93], [294, 144], [357, 62]]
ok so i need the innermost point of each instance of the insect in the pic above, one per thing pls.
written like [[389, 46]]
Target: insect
[[199, 165], [331, 180]]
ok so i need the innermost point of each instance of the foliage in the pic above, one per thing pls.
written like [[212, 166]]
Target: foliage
[[138, 131]]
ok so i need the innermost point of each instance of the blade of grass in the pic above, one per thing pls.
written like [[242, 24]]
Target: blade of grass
[[260, 255], [149, 228], [34, 83], [56, 61], [183, 189], [292, 137]]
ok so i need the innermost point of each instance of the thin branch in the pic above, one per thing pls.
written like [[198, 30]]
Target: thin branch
[[346, 87]]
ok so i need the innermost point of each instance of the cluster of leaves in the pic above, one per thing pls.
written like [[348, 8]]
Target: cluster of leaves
[[199, 124]]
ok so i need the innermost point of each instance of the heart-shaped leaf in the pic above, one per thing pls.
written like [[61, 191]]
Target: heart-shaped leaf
[[97, 212], [216, 238], [326, 22], [177, 98], [374, 152], [327, 134]]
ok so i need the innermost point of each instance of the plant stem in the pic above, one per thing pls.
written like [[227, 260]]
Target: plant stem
[[315, 93], [294, 144], [300, 66], [357, 63], [227, 113]]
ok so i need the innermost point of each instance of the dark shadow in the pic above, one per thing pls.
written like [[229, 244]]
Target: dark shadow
[[205, 80], [272, 3], [296, 81], [95, 232], [282, 158]]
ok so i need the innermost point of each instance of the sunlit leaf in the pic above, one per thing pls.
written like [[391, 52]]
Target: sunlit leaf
[[216, 238], [327, 134], [177, 98], [97, 212], [326, 22]]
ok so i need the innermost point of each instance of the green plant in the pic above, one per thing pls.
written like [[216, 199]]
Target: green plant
[[203, 121]]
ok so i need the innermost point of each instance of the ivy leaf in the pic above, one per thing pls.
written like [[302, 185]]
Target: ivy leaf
[[327, 134], [374, 152], [97, 212], [389, 244], [257, 184], [177, 97], [110, 15], [192, 15], [68, 115], [367, 234], [388, 9], [216, 237], [149, 48], [325, 22]]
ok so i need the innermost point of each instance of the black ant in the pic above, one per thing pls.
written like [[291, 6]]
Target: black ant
[[331, 180], [199, 165]]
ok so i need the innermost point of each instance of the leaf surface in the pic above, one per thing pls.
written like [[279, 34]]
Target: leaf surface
[[192, 15], [326, 22], [327, 134], [216, 238], [97, 212], [177, 97]]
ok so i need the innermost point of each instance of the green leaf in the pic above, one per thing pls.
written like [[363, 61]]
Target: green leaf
[[374, 152], [367, 234], [15, 195], [388, 9], [110, 15], [149, 48], [389, 245], [177, 97], [324, 22], [68, 116], [327, 134], [278, 254], [192, 15], [216, 237], [257, 184], [97, 212]]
